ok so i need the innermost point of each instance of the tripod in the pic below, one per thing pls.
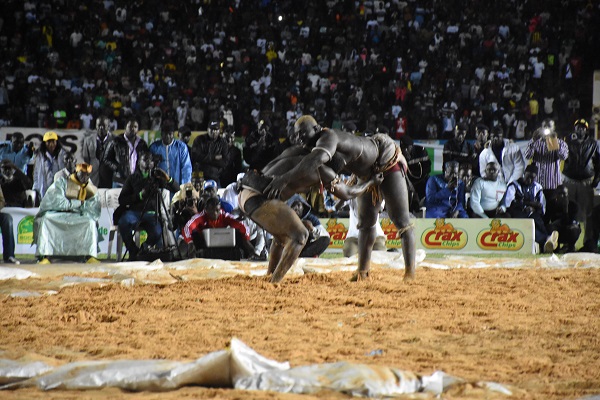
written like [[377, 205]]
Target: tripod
[[162, 217]]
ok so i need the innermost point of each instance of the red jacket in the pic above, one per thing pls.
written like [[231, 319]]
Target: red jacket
[[200, 222]]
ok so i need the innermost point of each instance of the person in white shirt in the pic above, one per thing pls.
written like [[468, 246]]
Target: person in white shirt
[[487, 193]]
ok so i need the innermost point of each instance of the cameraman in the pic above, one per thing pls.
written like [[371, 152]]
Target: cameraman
[[138, 207], [445, 194]]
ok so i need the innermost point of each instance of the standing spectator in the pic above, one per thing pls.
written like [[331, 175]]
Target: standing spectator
[[48, 161], [419, 164], [445, 195], [561, 216], [487, 193], [507, 154], [8, 235], [123, 153], [581, 172], [15, 184], [260, 146], [16, 151], [209, 153], [525, 199], [457, 148], [233, 164], [175, 157], [94, 151], [546, 151]]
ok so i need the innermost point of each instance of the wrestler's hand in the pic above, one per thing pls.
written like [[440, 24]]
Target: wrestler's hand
[[274, 189]]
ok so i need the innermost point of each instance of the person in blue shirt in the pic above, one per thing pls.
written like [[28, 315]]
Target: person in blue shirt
[[445, 194], [16, 151], [175, 155]]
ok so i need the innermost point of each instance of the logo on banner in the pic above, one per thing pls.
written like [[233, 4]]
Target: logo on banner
[[444, 236], [337, 232], [25, 230], [391, 233], [500, 237]]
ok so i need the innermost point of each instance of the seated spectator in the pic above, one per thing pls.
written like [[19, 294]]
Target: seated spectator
[[487, 193], [209, 190], [258, 236], [525, 199], [351, 241], [139, 204], [66, 223], [15, 151], [445, 195], [48, 161], [318, 237], [507, 154], [230, 194], [561, 216], [213, 216], [15, 184], [174, 154], [69, 163], [8, 235]]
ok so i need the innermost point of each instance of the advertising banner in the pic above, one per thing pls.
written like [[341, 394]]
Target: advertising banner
[[467, 236]]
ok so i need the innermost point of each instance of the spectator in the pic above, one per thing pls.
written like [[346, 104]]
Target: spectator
[[174, 154], [260, 147], [419, 164], [214, 217], [15, 184], [209, 189], [351, 241], [561, 216], [138, 204], [209, 153], [507, 154], [123, 153], [445, 194], [230, 194], [525, 199], [66, 223], [581, 173], [318, 237], [8, 235], [547, 151], [48, 161], [487, 193], [70, 165], [457, 148], [94, 151], [16, 151]]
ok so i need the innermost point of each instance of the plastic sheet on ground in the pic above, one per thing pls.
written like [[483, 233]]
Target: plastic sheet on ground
[[238, 367], [49, 279]]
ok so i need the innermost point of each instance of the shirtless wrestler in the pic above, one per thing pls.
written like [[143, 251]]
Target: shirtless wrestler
[[275, 216], [361, 156]]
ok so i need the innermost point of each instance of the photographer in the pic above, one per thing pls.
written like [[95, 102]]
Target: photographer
[[445, 194], [138, 205], [14, 185]]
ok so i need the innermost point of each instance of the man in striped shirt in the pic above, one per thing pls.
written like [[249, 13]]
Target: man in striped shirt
[[546, 151]]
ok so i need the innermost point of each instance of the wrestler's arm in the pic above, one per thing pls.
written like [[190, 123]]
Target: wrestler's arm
[[319, 155]]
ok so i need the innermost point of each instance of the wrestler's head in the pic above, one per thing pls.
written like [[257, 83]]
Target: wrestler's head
[[305, 129]]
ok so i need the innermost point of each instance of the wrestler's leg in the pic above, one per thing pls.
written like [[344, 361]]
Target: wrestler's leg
[[274, 255], [286, 227], [395, 193], [367, 218]]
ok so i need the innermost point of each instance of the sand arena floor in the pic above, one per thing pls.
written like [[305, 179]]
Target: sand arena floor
[[532, 327]]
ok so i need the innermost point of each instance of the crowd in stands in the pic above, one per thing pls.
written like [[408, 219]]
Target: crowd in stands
[[477, 75], [416, 67]]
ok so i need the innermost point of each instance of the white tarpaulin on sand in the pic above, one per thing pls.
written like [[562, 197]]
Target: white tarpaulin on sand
[[238, 367]]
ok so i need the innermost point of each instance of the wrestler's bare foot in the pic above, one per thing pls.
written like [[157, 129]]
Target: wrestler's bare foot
[[408, 277], [360, 276]]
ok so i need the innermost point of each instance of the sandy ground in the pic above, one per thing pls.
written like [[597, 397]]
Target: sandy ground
[[535, 329]]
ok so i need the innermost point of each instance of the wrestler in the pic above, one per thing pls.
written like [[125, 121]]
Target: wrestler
[[275, 216], [361, 156]]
